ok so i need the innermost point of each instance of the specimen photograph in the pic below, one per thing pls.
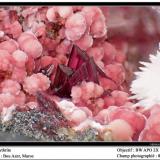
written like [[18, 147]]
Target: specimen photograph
[[79, 73]]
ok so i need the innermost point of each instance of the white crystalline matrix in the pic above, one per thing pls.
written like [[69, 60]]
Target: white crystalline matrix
[[146, 86]]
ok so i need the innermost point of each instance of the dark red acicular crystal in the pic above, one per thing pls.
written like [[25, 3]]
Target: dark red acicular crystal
[[45, 103], [48, 106], [80, 67], [77, 58], [61, 86], [87, 71], [48, 70]]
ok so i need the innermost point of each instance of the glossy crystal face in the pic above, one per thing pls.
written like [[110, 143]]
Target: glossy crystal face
[[78, 73]]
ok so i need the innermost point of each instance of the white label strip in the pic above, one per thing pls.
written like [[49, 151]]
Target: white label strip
[[74, 152]]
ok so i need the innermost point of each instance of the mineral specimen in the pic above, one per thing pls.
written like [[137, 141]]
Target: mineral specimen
[[65, 73]]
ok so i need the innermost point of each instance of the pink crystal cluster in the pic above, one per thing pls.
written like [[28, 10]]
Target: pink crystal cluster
[[36, 43]]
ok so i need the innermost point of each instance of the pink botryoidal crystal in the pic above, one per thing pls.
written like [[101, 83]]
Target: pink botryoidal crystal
[[10, 86], [36, 82], [6, 64], [9, 45], [118, 130], [136, 120], [85, 42], [20, 58], [116, 72], [32, 47], [151, 130], [15, 29], [75, 26], [120, 97], [91, 90], [18, 74]]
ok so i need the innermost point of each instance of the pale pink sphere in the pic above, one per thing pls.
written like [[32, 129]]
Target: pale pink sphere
[[109, 101], [135, 119], [32, 47], [109, 53], [20, 58], [95, 20], [75, 26], [120, 57], [18, 74], [102, 117], [96, 106], [9, 45], [151, 134], [85, 42], [120, 130], [64, 47], [84, 93], [36, 82], [98, 28], [116, 72], [76, 93], [6, 61], [15, 29], [29, 44], [26, 35], [51, 14], [153, 120], [6, 100], [107, 83], [98, 90], [120, 97], [65, 11], [96, 52], [88, 90], [89, 13], [151, 131], [78, 116], [20, 98], [10, 86], [44, 81], [30, 65]]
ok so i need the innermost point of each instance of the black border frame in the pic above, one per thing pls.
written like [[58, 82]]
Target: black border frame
[[87, 3], [35, 143]]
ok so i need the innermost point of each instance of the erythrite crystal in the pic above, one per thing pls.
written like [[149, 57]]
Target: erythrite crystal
[[47, 105], [77, 58], [61, 86], [87, 71], [48, 70], [80, 67]]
